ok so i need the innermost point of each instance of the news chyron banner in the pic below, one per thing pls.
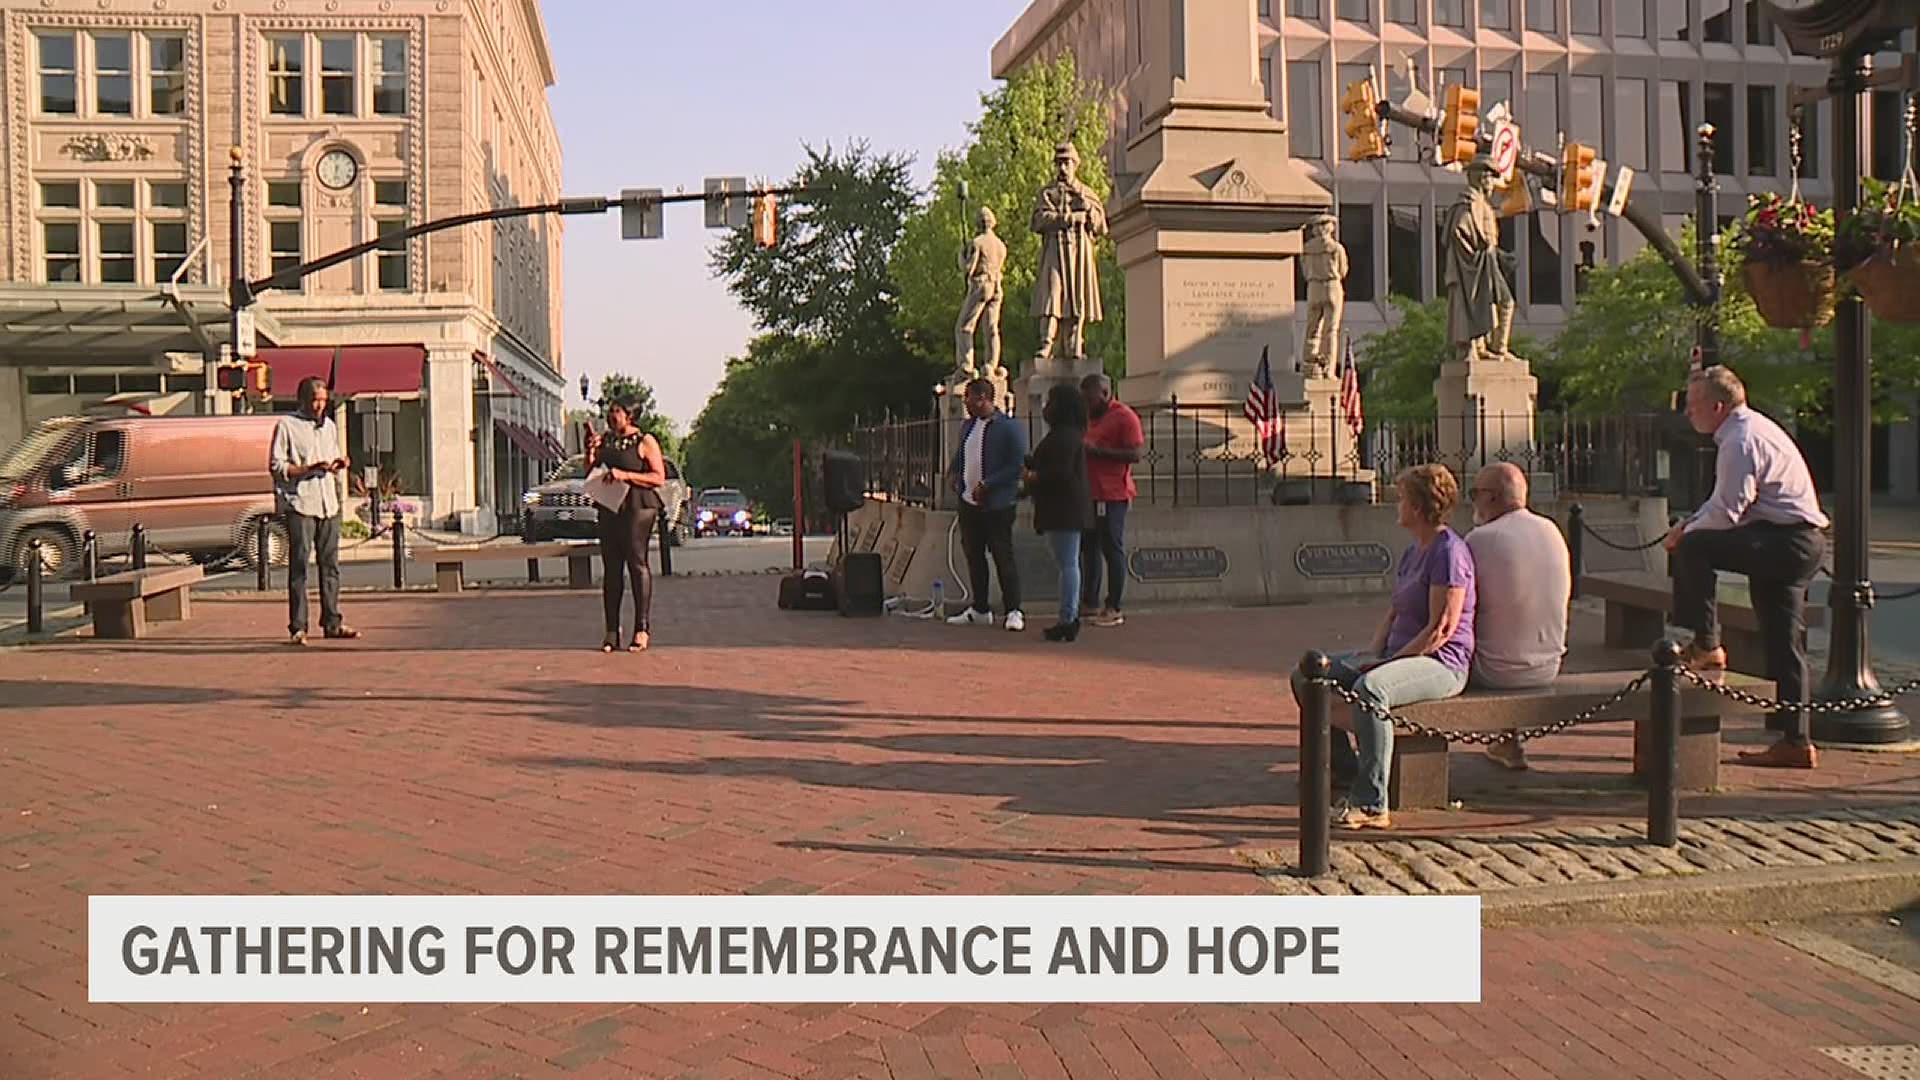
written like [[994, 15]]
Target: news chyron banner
[[736, 949]]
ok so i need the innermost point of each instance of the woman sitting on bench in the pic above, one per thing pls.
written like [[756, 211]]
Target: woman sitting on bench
[[1422, 651]]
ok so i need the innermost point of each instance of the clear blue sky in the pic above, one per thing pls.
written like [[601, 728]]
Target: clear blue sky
[[650, 99]]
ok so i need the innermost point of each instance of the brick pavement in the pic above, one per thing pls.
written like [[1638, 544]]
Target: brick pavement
[[478, 744]]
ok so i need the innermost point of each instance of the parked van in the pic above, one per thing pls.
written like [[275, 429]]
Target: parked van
[[199, 484]]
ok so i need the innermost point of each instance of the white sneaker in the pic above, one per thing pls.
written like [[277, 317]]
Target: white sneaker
[[971, 617], [1016, 622]]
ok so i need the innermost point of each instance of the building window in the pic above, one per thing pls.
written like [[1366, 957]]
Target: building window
[[1304, 9], [286, 76], [1630, 18], [1496, 14], [1496, 86], [337, 76], [61, 239], [1586, 111], [1266, 78], [1759, 25], [1886, 125], [47, 385], [113, 74], [118, 265], [1676, 121], [59, 74], [169, 239], [1719, 112], [1353, 10], [1450, 12], [113, 194], [1404, 12], [1717, 22], [167, 74], [1403, 252], [1676, 19], [1586, 17], [390, 76], [284, 193], [60, 195], [1543, 260], [283, 246], [166, 195], [1762, 116], [390, 216], [1543, 16], [1543, 105], [1630, 123], [1303, 109], [1356, 234]]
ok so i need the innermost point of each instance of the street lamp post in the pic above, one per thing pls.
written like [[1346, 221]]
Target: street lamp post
[[239, 293], [1706, 240]]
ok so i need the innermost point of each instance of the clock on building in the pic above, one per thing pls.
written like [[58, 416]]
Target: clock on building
[[337, 170], [1832, 27]]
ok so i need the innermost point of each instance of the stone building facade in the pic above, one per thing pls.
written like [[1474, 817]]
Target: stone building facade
[[352, 118]]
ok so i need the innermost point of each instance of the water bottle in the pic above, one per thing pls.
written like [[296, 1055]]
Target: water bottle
[[939, 600]]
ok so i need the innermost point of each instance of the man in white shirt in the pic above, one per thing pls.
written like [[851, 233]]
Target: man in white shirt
[[1525, 581], [1763, 520]]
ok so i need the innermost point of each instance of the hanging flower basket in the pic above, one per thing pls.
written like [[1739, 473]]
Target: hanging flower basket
[[1889, 282], [1879, 249], [1792, 296]]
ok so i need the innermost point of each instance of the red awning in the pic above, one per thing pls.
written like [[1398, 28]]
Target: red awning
[[553, 444], [498, 376], [363, 369], [524, 440]]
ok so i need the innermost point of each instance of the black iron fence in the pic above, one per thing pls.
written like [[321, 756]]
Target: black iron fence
[[1213, 455]]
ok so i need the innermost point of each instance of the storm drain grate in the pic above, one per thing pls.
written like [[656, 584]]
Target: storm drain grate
[[1879, 1062]]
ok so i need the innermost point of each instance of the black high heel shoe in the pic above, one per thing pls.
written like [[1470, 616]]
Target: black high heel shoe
[[610, 642]]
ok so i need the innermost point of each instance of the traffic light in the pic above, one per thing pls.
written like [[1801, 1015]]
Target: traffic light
[[765, 221], [231, 378], [260, 382], [1579, 177], [1460, 126], [1362, 106]]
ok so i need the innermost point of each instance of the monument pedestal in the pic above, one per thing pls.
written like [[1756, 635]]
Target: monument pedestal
[[1031, 389], [1486, 414]]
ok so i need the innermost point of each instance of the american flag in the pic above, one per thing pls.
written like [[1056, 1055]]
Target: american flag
[[1350, 395], [1263, 409]]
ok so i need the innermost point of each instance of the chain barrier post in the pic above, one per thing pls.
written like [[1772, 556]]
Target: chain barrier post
[[139, 546], [36, 618], [1577, 543], [1663, 792], [90, 555], [399, 550], [262, 555], [665, 529], [1316, 779]]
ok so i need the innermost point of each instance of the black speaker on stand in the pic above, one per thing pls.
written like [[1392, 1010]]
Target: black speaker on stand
[[859, 581]]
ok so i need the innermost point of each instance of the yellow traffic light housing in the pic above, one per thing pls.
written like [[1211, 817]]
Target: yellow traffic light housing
[[1361, 103], [260, 382], [765, 221], [1460, 126], [1579, 177]]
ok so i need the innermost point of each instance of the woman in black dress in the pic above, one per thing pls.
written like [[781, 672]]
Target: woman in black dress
[[1062, 501], [632, 457]]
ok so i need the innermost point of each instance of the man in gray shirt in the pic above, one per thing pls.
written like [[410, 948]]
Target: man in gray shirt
[[1763, 520], [306, 456]]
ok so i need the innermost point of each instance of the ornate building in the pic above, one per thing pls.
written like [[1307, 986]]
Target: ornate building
[[352, 118]]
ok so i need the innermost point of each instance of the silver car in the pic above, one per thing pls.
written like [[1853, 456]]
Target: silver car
[[561, 509]]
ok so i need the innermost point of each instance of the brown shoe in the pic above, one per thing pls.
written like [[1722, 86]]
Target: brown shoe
[[1508, 754], [1785, 754], [343, 633]]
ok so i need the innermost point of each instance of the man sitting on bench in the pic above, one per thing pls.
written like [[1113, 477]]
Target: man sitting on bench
[[1524, 578], [1764, 521]]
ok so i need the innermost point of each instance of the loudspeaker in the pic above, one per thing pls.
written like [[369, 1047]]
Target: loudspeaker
[[846, 484], [807, 590], [862, 589]]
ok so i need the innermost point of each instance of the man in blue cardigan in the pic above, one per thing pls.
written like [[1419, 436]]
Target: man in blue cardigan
[[985, 472]]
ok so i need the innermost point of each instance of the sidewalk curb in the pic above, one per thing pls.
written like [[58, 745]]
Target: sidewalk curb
[[1742, 896]]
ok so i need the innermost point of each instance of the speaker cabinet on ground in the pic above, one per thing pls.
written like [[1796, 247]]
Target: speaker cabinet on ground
[[846, 482], [862, 588]]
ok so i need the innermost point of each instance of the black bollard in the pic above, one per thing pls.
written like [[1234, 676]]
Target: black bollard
[[1316, 777], [262, 554], [36, 618], [1663, 789], [1577, 543], [139, 546], [399, 551], [666, 549], [90, 555], [533, 571]]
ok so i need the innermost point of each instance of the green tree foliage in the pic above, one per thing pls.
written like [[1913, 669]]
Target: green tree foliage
[[744, 436], [1007, 160], [1402, 362], [639, 396]]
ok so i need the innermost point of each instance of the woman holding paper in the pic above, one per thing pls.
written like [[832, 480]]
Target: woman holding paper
[[625, 473]]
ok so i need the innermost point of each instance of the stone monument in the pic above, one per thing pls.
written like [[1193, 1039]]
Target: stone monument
[[1324, 262], [983, 261], [1486, 396], [1070, 220]]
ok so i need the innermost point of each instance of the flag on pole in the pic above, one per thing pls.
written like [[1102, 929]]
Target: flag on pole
[[1350, 395], [1263, 409]]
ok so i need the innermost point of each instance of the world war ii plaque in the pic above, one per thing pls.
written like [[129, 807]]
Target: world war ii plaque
[[1342, 560], [1179, 564]]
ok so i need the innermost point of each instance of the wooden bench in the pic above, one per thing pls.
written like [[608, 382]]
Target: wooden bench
[[1637, 606], [122, 604], [450, 560], [1419, 777]]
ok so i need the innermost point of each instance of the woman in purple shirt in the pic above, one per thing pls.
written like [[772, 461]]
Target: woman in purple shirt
[[1422, 651]]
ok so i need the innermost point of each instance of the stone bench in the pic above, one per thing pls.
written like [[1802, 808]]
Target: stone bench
[[1419, 777], [1637, 606], [450, 561], [122, 604]]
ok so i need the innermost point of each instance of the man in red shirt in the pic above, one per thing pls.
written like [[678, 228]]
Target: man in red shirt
[[1114, 439]]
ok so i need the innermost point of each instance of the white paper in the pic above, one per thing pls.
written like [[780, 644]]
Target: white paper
[[602, 488]]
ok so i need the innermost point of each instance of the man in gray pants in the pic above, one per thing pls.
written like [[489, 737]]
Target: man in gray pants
[[306, 454]]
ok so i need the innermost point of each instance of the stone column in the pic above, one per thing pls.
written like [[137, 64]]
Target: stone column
[[13, 406], [450, 438]]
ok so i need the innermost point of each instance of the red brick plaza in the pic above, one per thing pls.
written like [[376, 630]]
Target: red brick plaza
[[480, 744]]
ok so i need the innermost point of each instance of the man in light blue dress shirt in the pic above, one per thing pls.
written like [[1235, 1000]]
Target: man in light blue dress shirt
[[305, 459], [1763, 520]]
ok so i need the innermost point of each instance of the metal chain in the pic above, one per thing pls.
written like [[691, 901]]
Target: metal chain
[[1776, 705], [1488, 738], [1655, 542]]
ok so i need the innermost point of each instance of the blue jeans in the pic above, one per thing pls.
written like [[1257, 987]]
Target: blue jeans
[[1105, 548], [1065, 545], [1398, 682]]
